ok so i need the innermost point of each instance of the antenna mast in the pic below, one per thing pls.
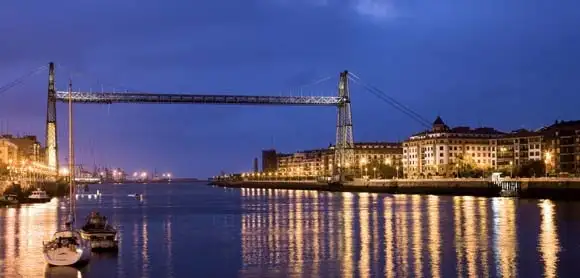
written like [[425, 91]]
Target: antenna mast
[[71, 159]]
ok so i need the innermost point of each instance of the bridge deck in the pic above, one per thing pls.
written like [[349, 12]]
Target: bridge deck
[[109, 98]]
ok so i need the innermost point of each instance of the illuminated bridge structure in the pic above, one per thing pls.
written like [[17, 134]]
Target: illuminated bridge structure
[[344, 148]]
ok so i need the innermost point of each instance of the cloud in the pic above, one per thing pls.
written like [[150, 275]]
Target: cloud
[[376, 9], [371, 9]]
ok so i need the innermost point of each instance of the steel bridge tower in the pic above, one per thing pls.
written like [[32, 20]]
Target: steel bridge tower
[[51, 138], [344, 148]]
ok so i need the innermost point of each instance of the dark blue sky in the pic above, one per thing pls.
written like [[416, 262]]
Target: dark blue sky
[[507, 64]]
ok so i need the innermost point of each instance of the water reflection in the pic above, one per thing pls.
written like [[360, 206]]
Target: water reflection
[[549, 245], [62, 272], [505, 236], [272, 233], [369, 235], [22, 231], [434, 236]]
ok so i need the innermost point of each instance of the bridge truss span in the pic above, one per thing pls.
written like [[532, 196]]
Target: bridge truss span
[[343, 151], [110, 98]]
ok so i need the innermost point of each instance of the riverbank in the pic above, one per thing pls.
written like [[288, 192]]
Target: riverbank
[[53, 189], [560, 189]]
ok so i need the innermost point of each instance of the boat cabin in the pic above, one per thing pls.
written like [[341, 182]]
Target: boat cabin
[[38, 194], [10, 197], [96, 221]]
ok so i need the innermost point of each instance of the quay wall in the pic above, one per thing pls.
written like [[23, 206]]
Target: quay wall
[[568, 189]]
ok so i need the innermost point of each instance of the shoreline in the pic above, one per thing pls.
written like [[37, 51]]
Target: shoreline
[[555, 190], [57, 189]]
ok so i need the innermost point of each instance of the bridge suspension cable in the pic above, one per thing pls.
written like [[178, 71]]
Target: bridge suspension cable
[[391, 101], [20, 79]]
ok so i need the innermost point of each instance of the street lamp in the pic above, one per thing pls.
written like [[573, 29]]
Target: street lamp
[[397, 169], [375, 172], [363, 162], [511, 169]]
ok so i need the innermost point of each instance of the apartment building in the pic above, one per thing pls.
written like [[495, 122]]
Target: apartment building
[[306, 163], [519, 148], [8, 151], [561, 142], [320, 162], [444, 151]]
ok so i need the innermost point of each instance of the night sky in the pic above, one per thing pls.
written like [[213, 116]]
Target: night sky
[[501, 63]]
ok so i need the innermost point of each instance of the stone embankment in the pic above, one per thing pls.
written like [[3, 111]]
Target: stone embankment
[[553, 188]]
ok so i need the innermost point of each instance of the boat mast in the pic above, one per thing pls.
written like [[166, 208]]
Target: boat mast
[[71, 160]]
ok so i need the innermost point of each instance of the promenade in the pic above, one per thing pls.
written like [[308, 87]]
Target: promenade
[[554, 188]]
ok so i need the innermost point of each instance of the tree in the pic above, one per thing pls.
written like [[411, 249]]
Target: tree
[[382, 170], [466, 167], [533, 168]]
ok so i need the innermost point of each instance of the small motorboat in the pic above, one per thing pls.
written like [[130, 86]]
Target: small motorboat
[[38, 196], [136, 196], [99, 233], [9, 199]]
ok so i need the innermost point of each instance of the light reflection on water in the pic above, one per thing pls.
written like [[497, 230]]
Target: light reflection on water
[[211, 232]]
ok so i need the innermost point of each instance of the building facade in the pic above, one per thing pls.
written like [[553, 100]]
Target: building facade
[[269, 161], [306, 163], [562, 147], [518, 148], [29, 148], [320, 162], [447, 152], [8, 152]]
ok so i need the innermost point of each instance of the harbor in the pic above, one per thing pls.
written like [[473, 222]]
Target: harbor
[[247, 232]]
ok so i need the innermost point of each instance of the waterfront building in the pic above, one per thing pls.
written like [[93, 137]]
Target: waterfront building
[[518, 149], [306, 163], [449, 152], [8, 151], [372, 155], [28, 147], [561, 142], [319, 162], [255, 165], [269, 161]]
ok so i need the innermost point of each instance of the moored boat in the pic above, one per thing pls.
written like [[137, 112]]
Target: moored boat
[[9, 199], [38, 196], [66, 248], [99, 233]]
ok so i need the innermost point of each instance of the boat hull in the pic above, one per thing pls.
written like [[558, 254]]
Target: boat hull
[[37, 200], [67, 256], [100, 240]]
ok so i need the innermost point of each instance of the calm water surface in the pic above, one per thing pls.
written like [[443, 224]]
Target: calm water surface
[[192, 230]]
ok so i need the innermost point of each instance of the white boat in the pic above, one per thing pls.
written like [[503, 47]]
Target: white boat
[[67, 247], [38, 196]]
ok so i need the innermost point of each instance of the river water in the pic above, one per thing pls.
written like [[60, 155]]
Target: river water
[[193, 230]]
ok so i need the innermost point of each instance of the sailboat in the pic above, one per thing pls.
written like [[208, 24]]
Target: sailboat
[[67, 247]]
